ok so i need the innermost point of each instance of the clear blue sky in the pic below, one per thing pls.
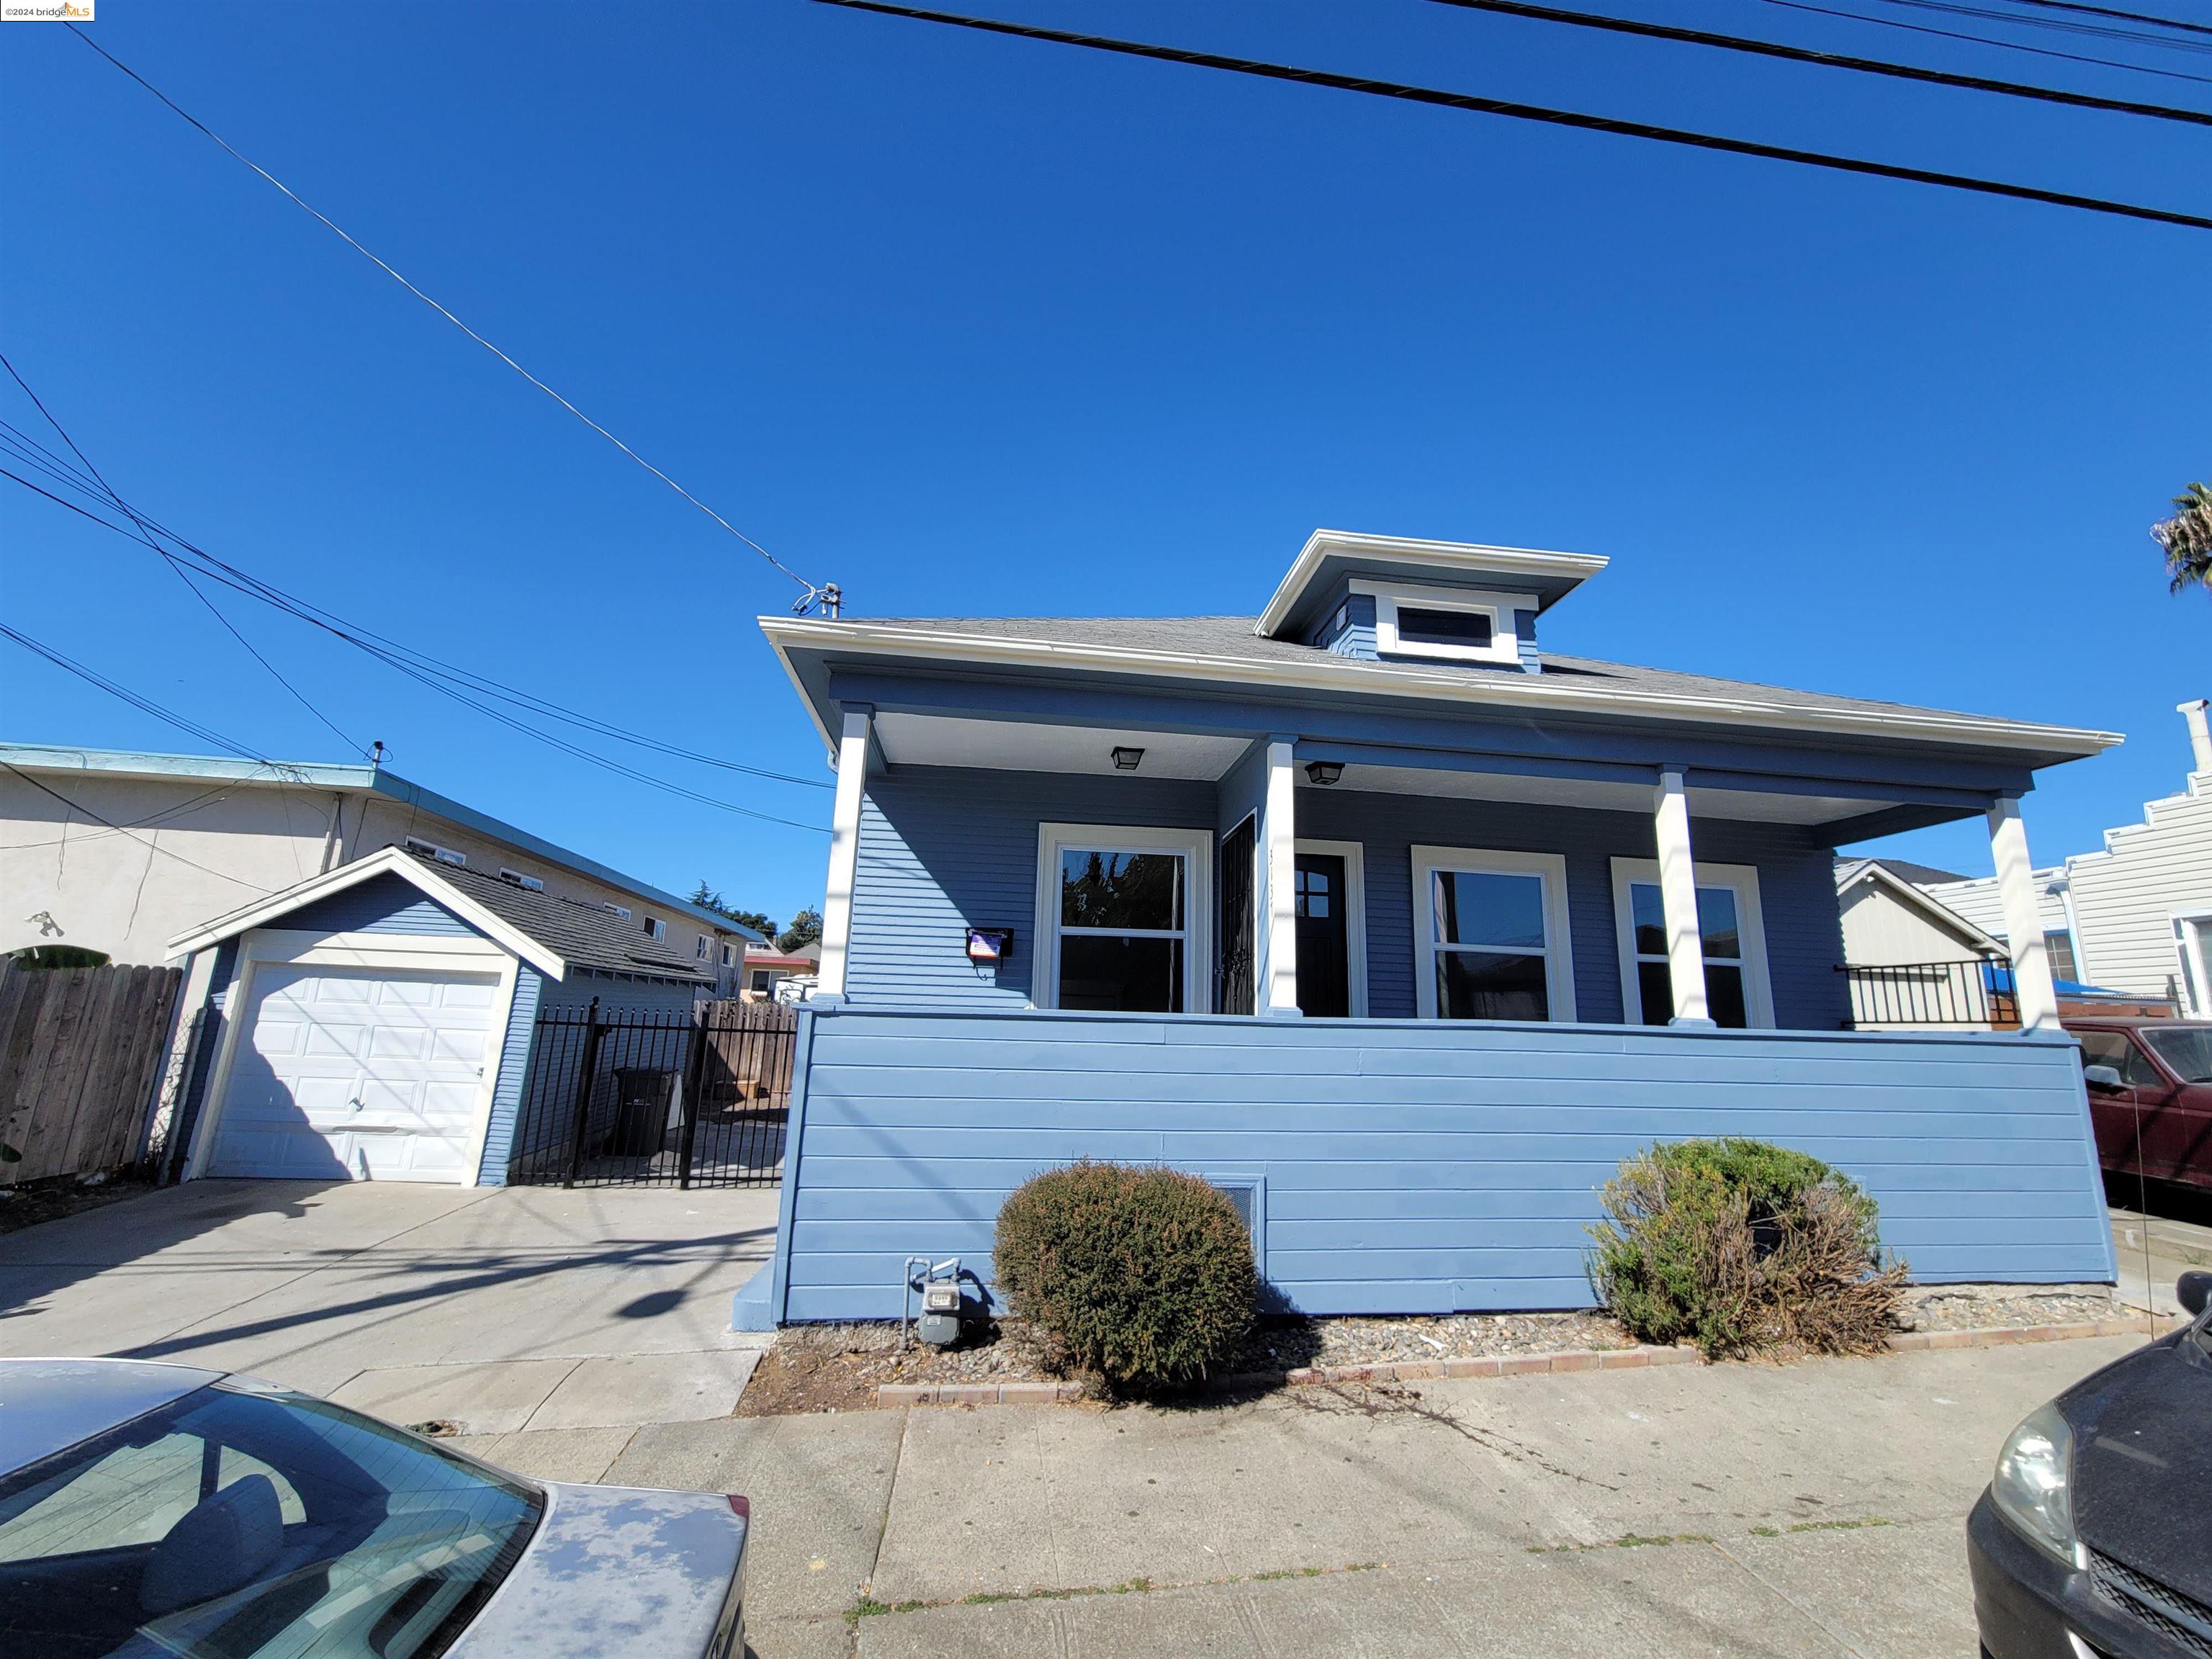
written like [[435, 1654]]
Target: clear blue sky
[[977, 326]]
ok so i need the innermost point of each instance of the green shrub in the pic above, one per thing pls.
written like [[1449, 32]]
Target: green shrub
[[1739, 1246], [1143, 1276]]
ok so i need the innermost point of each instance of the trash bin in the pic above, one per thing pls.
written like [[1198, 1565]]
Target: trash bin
[[642, 1098]]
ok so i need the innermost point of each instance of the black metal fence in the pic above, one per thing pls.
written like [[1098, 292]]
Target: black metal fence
[[649, 1097], [1916, 995]]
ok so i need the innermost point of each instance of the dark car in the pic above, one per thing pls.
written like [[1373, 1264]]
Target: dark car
[[2094, 1540], [2150, 1096]]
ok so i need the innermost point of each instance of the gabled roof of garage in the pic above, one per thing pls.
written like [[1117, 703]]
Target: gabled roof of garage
[[553, 934]]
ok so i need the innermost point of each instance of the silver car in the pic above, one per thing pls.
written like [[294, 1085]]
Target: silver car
[[151, 1512]]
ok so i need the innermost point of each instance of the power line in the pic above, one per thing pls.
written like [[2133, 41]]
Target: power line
[[379, 646], [1990, 40], [214, 610], [2095, 31], [422, 678], [124, 829], [1468, 101], [813, 591], [2128, 16], [145, 705], [1829, 59]]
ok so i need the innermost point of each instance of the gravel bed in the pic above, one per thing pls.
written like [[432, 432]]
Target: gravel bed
[[1980, 1307]]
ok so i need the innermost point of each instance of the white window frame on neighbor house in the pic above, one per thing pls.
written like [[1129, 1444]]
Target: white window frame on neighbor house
[[729, 955], [704, 950], [1196, 848], [443, 854], [1502, 609], [1740, 880], [2192, 948], [1559, 939], [1354, 899], [655, 929], [528, 884]]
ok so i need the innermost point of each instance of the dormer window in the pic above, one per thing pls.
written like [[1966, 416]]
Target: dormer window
[[1451, 624]]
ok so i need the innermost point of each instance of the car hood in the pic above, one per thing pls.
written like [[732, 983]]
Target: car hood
[[2142, 1461], [614, 1572]]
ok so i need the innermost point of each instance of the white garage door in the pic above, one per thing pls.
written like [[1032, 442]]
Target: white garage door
[[362, 1073]]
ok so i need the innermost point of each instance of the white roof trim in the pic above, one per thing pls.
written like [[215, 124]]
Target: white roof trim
[[1471, 556], [1537, 692], [1933, 909], [388, 860]]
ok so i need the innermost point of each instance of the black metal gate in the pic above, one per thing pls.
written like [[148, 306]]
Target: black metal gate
[[654, 1097]]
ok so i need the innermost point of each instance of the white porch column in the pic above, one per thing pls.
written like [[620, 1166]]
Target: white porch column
[[1280, 823], [2036, 998], [1678, 899], [844, 852]]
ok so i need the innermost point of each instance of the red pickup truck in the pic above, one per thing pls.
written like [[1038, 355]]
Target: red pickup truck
[[2150, 1096]]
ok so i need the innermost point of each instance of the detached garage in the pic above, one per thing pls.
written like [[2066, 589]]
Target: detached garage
[[375, 1022]]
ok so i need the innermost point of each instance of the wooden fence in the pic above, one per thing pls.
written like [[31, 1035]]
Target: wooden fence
[[81, 1049]]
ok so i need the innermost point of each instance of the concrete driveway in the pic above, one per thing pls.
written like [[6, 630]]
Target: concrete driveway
[[577, 1314]]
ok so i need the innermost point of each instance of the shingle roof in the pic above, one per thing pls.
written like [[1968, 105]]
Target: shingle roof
[[582, 935], [1905, 870], [1235, 638]]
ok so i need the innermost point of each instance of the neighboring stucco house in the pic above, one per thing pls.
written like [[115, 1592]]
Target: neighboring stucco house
[[2135, 917], [1396, 925], [766, 966], [119, 851]]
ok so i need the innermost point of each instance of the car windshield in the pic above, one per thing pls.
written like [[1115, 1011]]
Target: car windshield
[[246, 1522], [2187, 1050]]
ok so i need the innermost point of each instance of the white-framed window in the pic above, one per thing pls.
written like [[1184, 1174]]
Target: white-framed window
[[515, 877], [431, 849], [1122, 919], [2192, 949], [729, 955], [705, 948], [1453, 624], [1737, 992], [654, 928], [1491, 935]]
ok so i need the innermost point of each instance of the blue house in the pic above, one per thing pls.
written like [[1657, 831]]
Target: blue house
[[1399, 926]]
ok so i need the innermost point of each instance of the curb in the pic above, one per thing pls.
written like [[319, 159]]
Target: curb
[[1640, 1358]]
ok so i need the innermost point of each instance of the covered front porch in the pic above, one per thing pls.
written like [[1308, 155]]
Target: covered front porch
[[990, 859]]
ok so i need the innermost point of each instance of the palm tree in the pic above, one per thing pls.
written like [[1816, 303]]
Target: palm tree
[[2187, 538]]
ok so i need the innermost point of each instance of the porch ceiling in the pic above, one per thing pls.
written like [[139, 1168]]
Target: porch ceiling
[[1034, 746], [1747, 805]]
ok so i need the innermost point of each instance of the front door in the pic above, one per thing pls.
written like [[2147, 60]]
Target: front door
[[1324, 956]]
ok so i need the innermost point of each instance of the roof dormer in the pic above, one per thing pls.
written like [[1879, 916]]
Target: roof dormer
[[1391, 597]]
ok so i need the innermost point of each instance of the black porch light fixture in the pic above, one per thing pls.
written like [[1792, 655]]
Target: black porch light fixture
[[1324, 772], [1126, 759]]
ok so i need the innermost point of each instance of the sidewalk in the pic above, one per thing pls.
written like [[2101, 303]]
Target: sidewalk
[[2171, 1247], [1810, 1509]]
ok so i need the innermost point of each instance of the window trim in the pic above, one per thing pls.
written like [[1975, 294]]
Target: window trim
[[1196, 847], [529, 883], [1742, 879], [704, 950], [1354, 854], [1559, 934], [656, 930], [2192, 952], [1502, 609]]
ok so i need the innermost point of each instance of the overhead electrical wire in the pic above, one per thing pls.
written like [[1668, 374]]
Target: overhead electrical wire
[[1829, 59], [1988, 41], [2127, 16], [150, 845], [145, 705], [440, 683], [812, 591], [2095, 31], [216, 611], [1468, 101]]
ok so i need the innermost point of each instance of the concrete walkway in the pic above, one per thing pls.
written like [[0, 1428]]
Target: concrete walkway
[[502, 1309], [1814, 1510], [2168, 1245]]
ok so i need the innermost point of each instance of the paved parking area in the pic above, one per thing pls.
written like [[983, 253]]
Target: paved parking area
[[502, 1309]]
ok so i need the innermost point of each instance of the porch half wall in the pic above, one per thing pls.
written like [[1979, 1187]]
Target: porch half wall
[[1408, 1167]]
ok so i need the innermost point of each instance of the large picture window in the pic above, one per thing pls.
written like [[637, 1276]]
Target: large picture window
[[1737, 994], [1121, 919], [1492, 934]]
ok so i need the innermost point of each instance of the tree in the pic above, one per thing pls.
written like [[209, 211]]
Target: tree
[[2187, 538], [707, 899], [806, 928]]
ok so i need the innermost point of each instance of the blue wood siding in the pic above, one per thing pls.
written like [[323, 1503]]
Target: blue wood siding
[[944, 849], [514, 1057], [382, 904], [1412, 1167]]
